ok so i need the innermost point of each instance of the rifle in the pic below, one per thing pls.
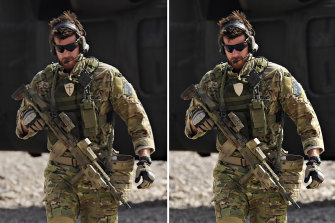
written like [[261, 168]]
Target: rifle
[[230, 125], [81, 150]]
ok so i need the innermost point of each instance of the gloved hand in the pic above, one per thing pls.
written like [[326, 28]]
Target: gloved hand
[[32, 120], [313, 171], [201, 120], [143, 171]]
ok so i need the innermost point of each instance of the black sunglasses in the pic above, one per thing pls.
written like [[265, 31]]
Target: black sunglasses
[[238, 47], [69, 47]]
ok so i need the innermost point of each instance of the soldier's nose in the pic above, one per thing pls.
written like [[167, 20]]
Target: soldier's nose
[[235, 52], [66, 53]]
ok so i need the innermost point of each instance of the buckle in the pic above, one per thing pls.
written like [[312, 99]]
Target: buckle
[[74, 162], [243, 162]]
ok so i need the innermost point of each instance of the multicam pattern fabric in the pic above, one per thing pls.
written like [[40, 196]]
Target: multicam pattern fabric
[[109, 96], [110, 92], [64, 203], [233, 202], [280, 92]]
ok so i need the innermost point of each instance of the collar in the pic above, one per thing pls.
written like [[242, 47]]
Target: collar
[[76, 70], [244, 72]]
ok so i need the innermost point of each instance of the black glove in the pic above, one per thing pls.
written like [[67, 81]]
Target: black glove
[[143, 171], [201, 120], [313, 171], [32, 120]]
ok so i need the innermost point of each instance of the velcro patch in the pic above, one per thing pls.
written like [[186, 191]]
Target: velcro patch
[[296, 88], [127, 89]]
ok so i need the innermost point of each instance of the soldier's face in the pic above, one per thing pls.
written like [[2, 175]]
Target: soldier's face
[[67, 51], [234, 45]]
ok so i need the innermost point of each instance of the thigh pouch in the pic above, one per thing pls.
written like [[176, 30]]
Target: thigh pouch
[[292, 173]]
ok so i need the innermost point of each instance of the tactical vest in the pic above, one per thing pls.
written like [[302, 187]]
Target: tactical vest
[[249, 106], [77, 102]]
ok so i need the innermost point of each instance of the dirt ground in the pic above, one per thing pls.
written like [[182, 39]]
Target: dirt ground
[[21, 192], [191, 192]]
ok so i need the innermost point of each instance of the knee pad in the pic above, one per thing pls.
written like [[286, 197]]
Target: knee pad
[[61, 219], [229, 220]]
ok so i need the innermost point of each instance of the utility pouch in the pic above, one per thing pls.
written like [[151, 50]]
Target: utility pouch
[[258, 118], [292, 174], [121, 172], [89, 118]]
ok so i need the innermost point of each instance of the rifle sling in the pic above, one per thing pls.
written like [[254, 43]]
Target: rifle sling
[[233, 160], [69, 161]]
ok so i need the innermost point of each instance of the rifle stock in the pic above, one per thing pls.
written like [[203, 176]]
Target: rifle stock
[[230, 126], [61, 125]]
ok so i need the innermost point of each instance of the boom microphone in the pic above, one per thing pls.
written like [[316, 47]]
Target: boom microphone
[[235, 61], [74, 58]]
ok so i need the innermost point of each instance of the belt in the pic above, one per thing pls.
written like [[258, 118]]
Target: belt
[[233, 160], [65, 160]]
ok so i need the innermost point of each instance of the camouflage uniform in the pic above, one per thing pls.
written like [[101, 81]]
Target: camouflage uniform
[[280, 93], [111, 92]]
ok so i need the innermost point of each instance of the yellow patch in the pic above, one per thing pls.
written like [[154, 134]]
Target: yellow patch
[[287, 85], [118, 85]]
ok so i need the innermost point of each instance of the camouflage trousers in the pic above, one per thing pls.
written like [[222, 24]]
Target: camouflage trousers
[[233, 202], [65, 202]]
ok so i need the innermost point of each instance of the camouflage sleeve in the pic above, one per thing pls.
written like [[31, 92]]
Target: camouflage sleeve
[[210, 84], [295, 103], [126, 104], [35, 83]]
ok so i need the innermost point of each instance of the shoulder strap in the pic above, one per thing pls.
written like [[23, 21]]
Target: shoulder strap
[[255, 75], [223, 83], [85, 77], [52, 94]]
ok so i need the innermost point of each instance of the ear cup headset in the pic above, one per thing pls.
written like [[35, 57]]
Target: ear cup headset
[[253, 47], [84, 47]]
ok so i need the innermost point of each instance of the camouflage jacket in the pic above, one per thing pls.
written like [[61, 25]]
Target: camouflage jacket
[[279, 91], [110, 91]]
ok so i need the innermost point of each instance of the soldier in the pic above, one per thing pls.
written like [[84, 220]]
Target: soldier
[[258, 92], [90, 106]]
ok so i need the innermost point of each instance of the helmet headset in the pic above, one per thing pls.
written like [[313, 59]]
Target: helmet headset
[[84, 47], [253, 46]]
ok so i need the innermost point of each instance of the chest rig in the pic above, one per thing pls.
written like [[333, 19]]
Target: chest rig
[[249, 105], [73, 96]]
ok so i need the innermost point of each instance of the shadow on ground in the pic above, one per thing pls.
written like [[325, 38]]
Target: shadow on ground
[[149, 212], [315, 212]]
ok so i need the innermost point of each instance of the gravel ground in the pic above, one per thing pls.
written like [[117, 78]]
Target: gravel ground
[[21, 192], [191, 192]]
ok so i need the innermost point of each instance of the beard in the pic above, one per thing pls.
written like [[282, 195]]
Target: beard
[[69, 62], [238, 62]]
